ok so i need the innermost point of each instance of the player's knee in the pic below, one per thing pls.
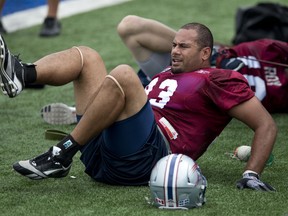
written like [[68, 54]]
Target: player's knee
[[128, 26], [122, 71], [125, 75], [87, 51], [87, 55]]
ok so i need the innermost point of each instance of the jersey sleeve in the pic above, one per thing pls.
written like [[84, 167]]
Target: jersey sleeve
[[228, 88]]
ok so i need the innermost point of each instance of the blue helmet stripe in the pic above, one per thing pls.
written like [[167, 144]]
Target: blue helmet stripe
[[171, 176]]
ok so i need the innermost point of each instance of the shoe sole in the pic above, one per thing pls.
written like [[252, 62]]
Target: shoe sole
[[8, 87], [59, 114]]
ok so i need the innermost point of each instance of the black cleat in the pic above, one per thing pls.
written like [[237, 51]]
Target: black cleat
[[46, 165], [11, 71]]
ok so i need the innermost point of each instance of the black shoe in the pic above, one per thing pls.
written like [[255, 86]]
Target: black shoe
[[46, 165], [11, 71], [51, 27]]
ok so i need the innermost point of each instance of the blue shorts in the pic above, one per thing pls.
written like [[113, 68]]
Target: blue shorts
[[126, 152]]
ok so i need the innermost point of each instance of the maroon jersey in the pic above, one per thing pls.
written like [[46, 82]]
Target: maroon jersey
[[191, 108], [269, 81]]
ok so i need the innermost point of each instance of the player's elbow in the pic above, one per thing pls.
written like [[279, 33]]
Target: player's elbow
[[269, 128], [273, 128]]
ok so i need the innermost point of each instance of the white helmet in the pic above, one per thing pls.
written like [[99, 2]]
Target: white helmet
[[176, 182]]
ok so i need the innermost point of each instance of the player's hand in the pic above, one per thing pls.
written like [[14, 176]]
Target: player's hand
[[251, 180]]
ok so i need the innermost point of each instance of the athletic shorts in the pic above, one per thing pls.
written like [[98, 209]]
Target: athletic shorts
[[126, 152]]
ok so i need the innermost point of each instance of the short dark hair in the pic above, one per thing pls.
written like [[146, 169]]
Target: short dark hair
[[205, 37]]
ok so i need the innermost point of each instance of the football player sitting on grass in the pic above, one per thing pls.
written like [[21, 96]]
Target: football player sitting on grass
[[124, 129]]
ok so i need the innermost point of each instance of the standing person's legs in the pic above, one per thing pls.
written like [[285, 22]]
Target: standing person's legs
[[2, 29], [51, 25], [52, 8], [2, 3]]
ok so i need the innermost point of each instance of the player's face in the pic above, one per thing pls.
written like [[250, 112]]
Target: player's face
[[186, 54]]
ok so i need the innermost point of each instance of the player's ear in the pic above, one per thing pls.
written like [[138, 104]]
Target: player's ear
[[206, 53]]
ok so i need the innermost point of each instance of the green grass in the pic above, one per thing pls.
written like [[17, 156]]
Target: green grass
[[22, 129]]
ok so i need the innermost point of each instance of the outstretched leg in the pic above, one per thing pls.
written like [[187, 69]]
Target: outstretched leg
[[81, 65]]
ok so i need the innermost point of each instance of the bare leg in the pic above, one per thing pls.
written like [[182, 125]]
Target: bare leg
[[2, 2], [2, 29], [99, 99], [110, 104], [52, 8], [144, 36], [66, 66]]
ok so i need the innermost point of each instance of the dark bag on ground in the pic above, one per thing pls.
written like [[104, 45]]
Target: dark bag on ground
[[265, 20]]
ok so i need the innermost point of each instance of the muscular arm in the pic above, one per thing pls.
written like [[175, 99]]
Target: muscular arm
[[253, 114]]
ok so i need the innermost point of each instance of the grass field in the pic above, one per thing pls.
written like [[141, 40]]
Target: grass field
[[22, 129]]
